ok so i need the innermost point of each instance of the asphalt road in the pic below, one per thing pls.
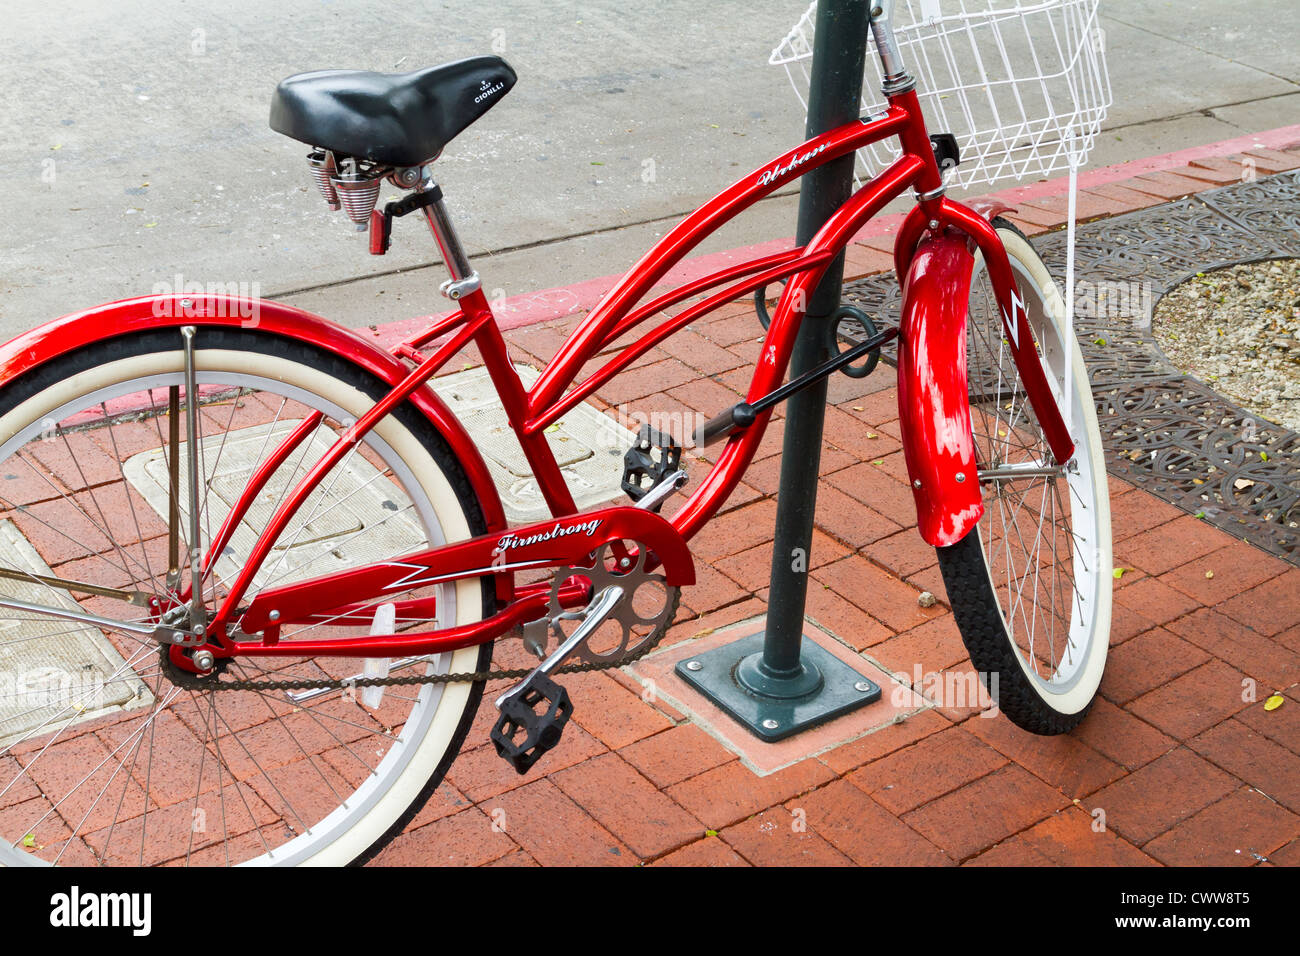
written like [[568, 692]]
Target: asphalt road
[[134, 146]]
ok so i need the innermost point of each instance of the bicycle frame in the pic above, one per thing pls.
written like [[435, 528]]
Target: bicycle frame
[[530, 411]]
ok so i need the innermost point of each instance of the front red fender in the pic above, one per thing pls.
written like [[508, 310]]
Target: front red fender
[[933, 402], [55, 338]]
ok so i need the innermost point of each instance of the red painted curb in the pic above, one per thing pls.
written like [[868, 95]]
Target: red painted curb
[[546, 304]]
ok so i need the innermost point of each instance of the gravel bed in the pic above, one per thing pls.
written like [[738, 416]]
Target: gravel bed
[[1237, 329]]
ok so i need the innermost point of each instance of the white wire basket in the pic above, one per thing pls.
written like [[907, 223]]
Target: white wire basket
[[1023, 86]]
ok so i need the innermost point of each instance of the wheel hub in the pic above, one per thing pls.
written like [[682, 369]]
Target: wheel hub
[[179, 666]]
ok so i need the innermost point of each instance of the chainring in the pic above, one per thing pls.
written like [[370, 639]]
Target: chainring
[[537, 635]]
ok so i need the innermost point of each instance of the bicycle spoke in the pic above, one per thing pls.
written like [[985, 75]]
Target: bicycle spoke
[[1033, 551], [177, 770]]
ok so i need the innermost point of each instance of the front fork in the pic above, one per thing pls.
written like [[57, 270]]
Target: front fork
[[934, 254]]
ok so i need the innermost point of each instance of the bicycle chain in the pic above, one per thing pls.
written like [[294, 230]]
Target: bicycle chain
[[518, 673]]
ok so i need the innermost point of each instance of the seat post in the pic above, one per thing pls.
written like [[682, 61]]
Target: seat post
[[464, 279]]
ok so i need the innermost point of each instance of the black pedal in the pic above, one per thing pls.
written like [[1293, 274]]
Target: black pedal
[[523, 732], [641, 472]]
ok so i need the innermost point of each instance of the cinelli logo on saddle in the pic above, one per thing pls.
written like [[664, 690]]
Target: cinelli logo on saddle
[[487, 89], [769, 175], [559, 531]]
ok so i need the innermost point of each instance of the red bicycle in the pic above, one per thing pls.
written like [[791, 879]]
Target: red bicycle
[[214, 506]]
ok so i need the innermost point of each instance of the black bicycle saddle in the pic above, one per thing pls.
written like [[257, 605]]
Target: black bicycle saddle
[[397, 119]]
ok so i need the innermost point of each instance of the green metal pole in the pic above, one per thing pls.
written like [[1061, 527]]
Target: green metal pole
[[773, 682], [835, 89]]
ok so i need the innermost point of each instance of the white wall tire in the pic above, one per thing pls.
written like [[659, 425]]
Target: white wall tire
[[1008, 604], [435, 720]]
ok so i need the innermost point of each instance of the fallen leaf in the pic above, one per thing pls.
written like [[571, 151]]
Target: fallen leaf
[[1243, 483], [1119, 573], [1274, 702]]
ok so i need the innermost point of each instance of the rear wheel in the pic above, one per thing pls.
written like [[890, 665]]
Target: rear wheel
[[1030, 586], [108, 755]]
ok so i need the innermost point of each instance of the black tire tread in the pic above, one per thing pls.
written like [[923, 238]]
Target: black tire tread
[[975, 608]]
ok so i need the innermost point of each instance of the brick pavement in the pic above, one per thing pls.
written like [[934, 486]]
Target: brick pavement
[[1179, 762]]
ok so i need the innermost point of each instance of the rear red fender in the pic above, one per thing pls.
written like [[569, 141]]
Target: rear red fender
[[933, 405], [60, 336]]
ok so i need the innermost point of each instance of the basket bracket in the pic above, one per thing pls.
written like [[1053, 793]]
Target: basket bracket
[[945, 150]]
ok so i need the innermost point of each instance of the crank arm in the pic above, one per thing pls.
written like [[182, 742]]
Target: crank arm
[[652, 498], [595, 615]]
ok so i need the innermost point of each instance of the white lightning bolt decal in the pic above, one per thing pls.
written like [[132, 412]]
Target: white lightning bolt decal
[[1013, 326], [413, 580]]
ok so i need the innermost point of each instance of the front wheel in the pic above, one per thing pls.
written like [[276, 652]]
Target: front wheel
[[111, 755], [1030, 585]]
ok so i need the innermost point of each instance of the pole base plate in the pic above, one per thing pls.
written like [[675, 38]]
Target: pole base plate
[[775, 715]]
